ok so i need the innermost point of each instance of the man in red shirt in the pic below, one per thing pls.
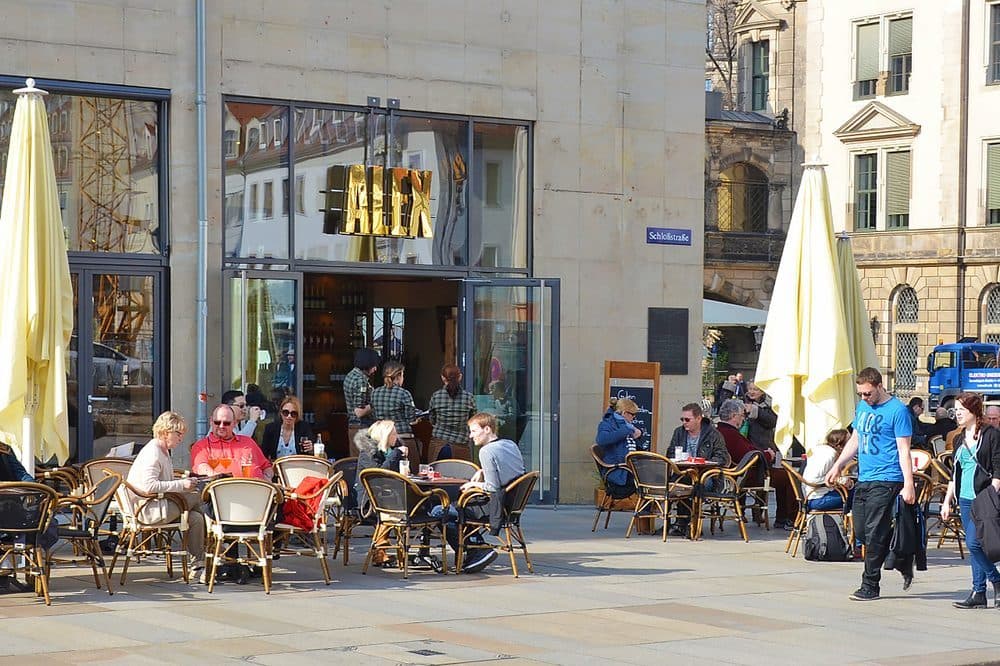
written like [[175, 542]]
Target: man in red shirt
[[224, 451]]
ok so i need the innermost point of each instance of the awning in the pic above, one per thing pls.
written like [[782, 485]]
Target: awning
[[717, 313]]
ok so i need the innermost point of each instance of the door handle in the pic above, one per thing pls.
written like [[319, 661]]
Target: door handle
[[97, 398]]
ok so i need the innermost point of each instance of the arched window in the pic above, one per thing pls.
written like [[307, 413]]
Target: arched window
[[742, 199], [991, 315], [906, 310]]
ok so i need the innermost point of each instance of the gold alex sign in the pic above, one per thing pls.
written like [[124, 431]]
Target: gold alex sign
[[358, 203]]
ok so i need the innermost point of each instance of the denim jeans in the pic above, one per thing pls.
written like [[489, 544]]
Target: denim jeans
[[873, 506], [450, 516], [982, 568], [827, 502]]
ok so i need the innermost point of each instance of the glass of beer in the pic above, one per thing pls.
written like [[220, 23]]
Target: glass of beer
[[246, 466]]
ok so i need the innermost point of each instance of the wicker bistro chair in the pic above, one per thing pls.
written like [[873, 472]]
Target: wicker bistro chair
[[454, 468], [294, 540], [344, 508], [757, 498], [84, 534], [244, 510], [292, 469], [515, 499], [139, 538], [802, 498], [26, 509], [91, 473], [402, 507], [944, 530], [607, 503], [921, 459], [729, 493], [659, 484]]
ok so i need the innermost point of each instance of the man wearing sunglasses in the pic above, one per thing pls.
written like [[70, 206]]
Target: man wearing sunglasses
[[223, 451], [881, 441], [700, 439]]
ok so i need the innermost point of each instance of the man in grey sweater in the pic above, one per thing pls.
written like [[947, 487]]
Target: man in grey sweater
[[501, 462]]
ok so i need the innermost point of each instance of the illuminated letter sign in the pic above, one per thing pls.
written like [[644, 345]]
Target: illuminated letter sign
[[357, 202]]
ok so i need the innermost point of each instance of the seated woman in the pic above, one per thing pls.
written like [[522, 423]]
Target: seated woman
[[818, 463], [378, 446], [152, 472], [615, 432], [288, 434]]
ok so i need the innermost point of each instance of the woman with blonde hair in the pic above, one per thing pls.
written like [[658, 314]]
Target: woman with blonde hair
[[378, 446], [152, 473], [616, 437]]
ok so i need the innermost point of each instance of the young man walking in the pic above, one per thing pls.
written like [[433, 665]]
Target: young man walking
[[881, 440]]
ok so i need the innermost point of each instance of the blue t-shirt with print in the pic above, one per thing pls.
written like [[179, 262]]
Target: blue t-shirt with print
[[877, 428]]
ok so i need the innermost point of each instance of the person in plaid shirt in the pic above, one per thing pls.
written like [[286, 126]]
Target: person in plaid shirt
[[450, 410], [395, 403], [358, 394]]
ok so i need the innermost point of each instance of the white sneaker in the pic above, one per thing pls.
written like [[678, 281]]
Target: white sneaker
[[199, 574]]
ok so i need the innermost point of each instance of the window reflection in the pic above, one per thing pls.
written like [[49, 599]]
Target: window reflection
[[106, 157], [260, 157], [498, 220]]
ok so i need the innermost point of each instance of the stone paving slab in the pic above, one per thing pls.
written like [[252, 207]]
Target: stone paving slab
[[595, 598]]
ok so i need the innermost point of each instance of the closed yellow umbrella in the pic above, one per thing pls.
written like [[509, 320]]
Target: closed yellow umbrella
[[805, 359], [37, 303], [859, 335]]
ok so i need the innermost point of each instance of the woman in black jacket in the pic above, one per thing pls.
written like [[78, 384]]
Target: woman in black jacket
[[977, 465], [288, 434]]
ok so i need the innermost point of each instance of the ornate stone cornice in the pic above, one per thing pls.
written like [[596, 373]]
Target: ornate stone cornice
[[876, 122]]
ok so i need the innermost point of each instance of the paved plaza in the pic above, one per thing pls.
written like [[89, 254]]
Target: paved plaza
[[593, 599]]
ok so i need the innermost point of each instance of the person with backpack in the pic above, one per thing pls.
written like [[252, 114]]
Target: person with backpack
[[881, 441], [977, 466], [819, 462]]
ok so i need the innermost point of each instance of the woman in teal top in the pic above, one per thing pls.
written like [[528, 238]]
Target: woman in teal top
[[977, 465]]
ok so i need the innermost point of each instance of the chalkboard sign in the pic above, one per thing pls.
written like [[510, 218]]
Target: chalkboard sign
[[640, 382], [668, 339], [639, 391]]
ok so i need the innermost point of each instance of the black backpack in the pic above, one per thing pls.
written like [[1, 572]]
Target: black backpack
[[824, 541]]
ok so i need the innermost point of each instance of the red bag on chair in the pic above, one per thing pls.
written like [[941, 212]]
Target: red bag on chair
[[298, 512]]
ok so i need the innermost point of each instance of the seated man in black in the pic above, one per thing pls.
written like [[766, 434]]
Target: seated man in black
[[11, 469]]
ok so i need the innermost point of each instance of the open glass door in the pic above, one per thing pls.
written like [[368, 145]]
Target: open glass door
[[262, 337], [510, 339]]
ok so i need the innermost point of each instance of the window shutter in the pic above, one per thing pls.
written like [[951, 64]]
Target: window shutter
[[900, 36], [993, 176], [867, 51], [897, 183]]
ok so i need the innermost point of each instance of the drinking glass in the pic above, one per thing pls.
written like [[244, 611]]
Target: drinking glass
[[225, 460], [424, 470], [246, 466], [213, 461]]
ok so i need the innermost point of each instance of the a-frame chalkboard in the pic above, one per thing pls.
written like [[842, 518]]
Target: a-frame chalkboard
[[640, 381]]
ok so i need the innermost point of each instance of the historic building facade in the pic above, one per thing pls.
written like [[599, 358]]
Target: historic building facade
[[465, 183]]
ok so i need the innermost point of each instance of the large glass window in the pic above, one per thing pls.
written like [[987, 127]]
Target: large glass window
[[993, 183], [252, 229], [742, 197], [105, 152], [499, 208], [358, 175], [994, 68], [900, 55]]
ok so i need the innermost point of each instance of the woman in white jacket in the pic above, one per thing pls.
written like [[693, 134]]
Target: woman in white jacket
[[153, 473], [819, 462]]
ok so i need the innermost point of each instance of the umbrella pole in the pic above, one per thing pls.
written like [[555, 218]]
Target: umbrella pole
[[28, 428]]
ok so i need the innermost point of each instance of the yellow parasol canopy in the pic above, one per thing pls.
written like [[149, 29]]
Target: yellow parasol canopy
[[37, 304], [805, 357], [855, 313]]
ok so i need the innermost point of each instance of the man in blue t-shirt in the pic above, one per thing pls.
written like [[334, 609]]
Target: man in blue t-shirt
[[881, 440]]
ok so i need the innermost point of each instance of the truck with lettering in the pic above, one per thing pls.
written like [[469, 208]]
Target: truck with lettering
[[966, 365]]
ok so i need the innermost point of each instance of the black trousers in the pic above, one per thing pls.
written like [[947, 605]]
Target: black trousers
[[874, 502]]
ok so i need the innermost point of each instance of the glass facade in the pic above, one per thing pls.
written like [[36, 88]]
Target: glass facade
[[347, 185], [105, 151]]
